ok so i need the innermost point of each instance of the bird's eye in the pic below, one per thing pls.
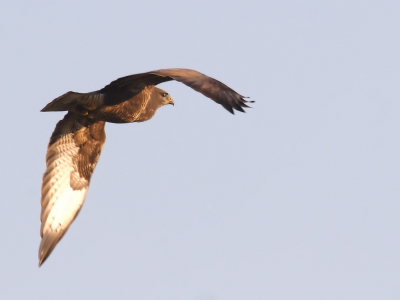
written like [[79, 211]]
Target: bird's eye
[[164, 94]]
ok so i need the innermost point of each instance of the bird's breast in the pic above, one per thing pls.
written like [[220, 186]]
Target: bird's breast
[[126, 112]]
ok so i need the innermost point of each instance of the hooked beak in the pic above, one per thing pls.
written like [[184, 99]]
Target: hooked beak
[[171, 101]]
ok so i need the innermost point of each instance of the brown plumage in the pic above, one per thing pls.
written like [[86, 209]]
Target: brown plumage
[[77, 140]]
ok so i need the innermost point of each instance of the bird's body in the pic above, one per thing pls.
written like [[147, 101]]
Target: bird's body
[[77, 140], [139, 108]]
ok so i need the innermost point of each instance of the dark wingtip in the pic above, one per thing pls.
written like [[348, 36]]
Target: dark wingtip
[[238, 104], [240, 109], [47, 107], [248, 101], [243, 103], [228, 108]]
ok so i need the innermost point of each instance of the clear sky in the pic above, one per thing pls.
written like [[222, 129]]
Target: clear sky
[[296, 199]]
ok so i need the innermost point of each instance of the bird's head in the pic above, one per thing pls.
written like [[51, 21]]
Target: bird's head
[[164, 97], [158, 98]]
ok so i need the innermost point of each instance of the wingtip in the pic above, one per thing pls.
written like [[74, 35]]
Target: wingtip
[[228, 108], [47, 245], [242, 103], [46, 108], [41, 261]]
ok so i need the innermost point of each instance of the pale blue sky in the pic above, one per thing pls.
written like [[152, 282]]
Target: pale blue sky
[[296, 199]]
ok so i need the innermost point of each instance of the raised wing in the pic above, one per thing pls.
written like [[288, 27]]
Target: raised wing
[[209, 87], [76, 102], [125, 88], [116, 92], [73, 152]]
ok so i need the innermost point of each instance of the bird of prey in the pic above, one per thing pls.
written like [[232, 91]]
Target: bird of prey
[[77, 140]]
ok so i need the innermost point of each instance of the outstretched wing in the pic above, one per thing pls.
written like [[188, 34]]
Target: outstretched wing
[[125, 88], [209, 87], [73, 152], [76, 102], [116, 92]]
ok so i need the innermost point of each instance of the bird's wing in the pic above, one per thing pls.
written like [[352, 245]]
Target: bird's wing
[[76, 102], [116, 92], [209, 87], [73, 152], [127, 86]]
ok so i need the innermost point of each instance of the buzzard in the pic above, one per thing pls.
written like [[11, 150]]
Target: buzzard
[[77, 140]]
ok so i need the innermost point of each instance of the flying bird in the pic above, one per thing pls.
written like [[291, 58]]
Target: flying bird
[[78, 139]]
